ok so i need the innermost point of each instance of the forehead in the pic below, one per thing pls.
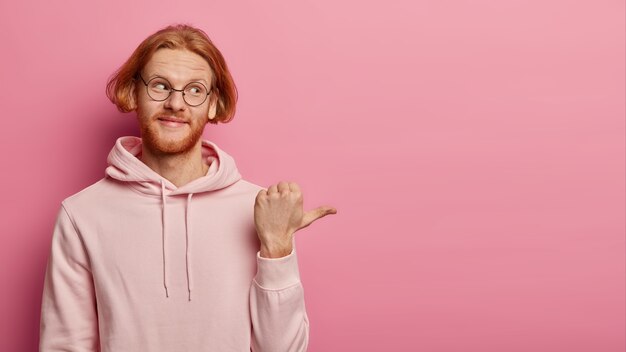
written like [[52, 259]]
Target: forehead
[[178, 64]]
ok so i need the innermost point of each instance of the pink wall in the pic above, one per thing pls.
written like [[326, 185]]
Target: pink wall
[[475, 151]]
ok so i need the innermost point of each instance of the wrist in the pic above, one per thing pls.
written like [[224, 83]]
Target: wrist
[[276, 250]]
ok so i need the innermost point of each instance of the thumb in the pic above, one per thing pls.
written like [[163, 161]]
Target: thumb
[[315, 214]]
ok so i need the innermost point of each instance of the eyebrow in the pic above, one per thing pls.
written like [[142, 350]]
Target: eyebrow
[[192, 80]]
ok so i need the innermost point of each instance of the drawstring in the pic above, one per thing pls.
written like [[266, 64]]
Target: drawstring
[[187, 235], [163, 203]]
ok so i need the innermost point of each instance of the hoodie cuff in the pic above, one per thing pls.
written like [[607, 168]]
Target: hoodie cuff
[[277, 273]]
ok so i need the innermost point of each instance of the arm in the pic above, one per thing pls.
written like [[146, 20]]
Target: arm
[[69, 321], [279, 320]]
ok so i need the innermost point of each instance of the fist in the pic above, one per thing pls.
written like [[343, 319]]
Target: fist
[[278, 214]]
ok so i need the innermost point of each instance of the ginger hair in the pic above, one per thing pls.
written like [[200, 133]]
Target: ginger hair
[[120, 88]]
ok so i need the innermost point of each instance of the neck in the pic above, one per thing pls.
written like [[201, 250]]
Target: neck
[[180, 168]]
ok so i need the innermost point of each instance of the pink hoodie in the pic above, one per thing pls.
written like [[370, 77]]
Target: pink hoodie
[[138, 264]]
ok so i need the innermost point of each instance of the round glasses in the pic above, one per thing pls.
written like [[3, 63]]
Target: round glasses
[[159, 89]]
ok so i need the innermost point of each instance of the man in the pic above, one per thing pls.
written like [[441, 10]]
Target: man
[[173, 250]]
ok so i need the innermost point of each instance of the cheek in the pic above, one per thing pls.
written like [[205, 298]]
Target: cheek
[[143, 117], [145, 109], [202, 116]]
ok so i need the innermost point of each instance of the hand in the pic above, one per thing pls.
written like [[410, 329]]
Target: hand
[[278, 214]]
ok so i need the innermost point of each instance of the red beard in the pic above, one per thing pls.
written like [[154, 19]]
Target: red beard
[[157, 145]]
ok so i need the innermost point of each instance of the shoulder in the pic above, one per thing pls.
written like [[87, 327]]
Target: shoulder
[[249, 186], [92, 194], [241, 189]]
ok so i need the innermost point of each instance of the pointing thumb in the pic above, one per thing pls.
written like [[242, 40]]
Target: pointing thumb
[[315, 214]]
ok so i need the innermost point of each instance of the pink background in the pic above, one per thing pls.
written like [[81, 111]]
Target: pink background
[[475, 151]]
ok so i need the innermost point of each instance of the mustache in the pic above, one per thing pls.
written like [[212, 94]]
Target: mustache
[[177, 115]]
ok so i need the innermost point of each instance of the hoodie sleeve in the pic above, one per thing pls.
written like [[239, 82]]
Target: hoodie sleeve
[[69, 320], [279, 320]]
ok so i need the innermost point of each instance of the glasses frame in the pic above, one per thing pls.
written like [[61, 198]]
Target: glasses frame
[[209, 91]]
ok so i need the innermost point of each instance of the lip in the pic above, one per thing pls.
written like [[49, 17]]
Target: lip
[[171, 121]]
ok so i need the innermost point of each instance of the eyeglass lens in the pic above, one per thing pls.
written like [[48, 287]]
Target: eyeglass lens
[[194, 93]]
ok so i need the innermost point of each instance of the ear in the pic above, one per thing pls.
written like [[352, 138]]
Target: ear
[[132, 98], [212, 108]]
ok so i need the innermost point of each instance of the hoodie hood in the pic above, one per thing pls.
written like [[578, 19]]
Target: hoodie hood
[[125, 166]]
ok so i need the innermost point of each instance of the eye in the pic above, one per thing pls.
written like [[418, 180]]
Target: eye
[[159, 85], [195, 89]]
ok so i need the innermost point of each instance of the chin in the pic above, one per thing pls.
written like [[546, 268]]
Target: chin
[[158, 145], [173, 147], [160, 141]]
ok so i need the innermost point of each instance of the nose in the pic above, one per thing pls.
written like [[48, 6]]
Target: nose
[[175, 101]]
